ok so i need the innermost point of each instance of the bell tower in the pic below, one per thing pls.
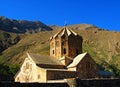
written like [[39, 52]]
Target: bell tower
[[65, 43]]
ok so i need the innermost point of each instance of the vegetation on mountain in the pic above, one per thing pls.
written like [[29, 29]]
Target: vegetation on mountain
[[7, 72], [7, 39]]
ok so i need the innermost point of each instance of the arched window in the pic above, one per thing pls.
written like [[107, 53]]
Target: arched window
[[39, 76], [77, 52], [53, 52], [64, 51]]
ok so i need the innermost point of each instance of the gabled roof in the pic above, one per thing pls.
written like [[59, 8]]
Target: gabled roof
[[43, 59], [77, 60], [64, 30]]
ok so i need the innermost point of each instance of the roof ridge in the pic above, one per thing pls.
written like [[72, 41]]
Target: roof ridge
[[72, 31], [77, 59]]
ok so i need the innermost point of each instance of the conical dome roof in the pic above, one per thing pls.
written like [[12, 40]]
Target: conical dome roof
[[65, 30]]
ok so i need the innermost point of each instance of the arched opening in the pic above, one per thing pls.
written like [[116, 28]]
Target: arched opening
[[77, 52], [39, 76], [53, 52], [64, 51]]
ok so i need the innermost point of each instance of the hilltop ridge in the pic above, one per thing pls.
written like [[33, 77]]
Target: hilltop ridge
[[22, 26]]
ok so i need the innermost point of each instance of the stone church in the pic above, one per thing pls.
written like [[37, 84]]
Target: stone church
[[66, 61]]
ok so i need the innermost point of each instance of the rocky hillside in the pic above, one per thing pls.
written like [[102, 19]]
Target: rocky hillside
[[22, 26]]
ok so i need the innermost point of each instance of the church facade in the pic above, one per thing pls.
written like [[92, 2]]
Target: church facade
[[66, 60]]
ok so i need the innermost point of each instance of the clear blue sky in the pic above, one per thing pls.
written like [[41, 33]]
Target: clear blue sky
[[102, 13]]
